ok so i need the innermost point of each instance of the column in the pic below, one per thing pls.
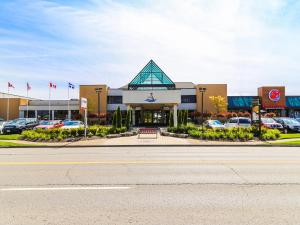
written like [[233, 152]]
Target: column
[[35, 114], [69, 114], [175, 115], [53, 115], [133, 116]]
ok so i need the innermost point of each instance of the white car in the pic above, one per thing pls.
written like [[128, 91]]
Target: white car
[[72, 124], [241, 122], [2, 123]]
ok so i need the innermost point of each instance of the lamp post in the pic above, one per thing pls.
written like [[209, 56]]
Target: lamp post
[[202, 91], [98, 91]]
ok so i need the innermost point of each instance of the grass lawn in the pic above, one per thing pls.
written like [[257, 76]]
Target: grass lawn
[[289, 136], [10, 144], [289, 143], [9, 136]]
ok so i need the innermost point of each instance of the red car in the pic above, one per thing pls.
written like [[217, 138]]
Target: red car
[[49, 124], [271, 123]]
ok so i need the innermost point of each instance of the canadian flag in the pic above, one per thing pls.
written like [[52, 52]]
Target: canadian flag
[[52, 85], [10, 85]]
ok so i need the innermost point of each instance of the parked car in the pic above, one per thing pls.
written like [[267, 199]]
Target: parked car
[[289, 124], [242, 122], [2, 123], [72, 124], [214, 124], [271, 123], [49, 124], [298, 119], [18, 125]]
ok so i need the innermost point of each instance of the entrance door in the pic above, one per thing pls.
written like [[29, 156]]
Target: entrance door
[[153, 118]]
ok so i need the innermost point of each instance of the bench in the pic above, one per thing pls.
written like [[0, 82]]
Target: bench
[[148, 131]]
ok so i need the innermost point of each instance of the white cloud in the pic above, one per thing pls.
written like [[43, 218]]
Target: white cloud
[[206, 41]]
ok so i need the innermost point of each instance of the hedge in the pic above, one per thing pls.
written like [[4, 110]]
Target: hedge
[[241, 134], [61, 134]]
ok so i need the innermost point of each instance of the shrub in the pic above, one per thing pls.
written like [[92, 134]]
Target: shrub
[[171, 119]]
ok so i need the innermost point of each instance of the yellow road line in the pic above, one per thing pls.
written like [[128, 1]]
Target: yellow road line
[[147, 162]]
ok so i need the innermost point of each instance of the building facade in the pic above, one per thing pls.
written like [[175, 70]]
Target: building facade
[[151, 95]]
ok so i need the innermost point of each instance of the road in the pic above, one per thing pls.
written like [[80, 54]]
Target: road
[[150, 185]]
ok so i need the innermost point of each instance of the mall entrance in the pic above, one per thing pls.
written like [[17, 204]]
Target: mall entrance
[[151, 118]]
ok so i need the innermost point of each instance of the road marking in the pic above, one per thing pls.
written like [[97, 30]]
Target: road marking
[[120, 162], [63, 188]]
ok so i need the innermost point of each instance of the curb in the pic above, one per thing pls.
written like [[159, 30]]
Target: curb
[[267, 145]]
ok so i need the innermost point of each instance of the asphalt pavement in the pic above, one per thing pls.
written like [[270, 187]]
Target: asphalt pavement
[[150, 185]]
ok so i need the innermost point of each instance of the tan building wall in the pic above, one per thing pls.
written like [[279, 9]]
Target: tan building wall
[[211, 90], [88, 91], [14, 104]]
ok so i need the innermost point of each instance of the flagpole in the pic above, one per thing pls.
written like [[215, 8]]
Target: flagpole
[[69, 102], [27, 101], [49, 103], [7, 113]]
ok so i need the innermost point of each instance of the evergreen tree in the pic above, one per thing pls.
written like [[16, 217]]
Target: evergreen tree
[[114, 121], [185, 117], [171, 119], [179, 118], [119, 118], [128, 122]]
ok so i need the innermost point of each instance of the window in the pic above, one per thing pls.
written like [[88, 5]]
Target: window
[[188, 99], [114, 99]]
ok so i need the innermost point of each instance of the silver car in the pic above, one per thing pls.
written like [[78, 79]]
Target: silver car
[[242, 122]]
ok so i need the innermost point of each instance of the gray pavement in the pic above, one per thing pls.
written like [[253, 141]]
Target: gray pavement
[[150, 185]]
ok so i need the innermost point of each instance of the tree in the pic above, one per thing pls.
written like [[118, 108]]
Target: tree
[[128, 119], [185, 117], [171, 119], [219, 103], [114, 120], [179, 118], [119, 118]]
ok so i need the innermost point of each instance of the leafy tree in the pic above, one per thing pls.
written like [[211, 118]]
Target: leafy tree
[[219, 103]]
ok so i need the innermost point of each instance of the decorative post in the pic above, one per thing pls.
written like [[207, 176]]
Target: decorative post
[[202, 91]]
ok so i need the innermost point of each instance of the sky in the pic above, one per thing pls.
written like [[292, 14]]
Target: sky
[[246, 44]]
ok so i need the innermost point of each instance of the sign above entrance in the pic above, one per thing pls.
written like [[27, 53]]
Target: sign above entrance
[[152, 97], [272, 97]]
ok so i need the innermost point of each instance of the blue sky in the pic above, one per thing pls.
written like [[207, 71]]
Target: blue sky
[[245, 44]]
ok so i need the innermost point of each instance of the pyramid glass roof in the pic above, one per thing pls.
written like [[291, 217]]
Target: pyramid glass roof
[[151, 77]]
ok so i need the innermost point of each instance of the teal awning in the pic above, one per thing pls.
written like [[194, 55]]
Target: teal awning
[[293, 102], [151, 77], [240, 102]]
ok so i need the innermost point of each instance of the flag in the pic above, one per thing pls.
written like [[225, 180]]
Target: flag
[[10, 85], [52, 85], [72, 86], [28, 87]]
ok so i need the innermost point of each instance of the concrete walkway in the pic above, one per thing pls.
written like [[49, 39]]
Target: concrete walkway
[[151, 140]]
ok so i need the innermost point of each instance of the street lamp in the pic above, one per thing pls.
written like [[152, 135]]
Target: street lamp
[[202, 91], [98, 91]]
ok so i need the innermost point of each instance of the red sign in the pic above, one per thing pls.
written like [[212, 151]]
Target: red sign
[[274, 95]]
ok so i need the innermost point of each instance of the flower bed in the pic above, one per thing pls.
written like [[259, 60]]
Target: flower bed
[[70, 134]]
